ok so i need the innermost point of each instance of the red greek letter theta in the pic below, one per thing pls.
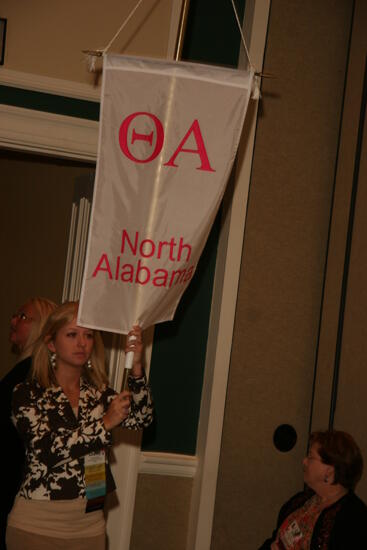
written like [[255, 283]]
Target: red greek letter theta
[[123, 137]]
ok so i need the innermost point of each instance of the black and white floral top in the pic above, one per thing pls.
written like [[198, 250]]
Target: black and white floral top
[[56, 441]]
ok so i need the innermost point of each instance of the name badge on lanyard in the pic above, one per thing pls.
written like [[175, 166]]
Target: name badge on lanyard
[[95, 480], [292, 536]]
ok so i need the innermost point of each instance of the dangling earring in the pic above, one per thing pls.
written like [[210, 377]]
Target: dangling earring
[[326, 479], [52, 358], [89, 364]]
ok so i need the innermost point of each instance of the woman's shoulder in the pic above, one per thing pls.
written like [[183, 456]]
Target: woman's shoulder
[[346, 522], [17, 374], [352, 504]]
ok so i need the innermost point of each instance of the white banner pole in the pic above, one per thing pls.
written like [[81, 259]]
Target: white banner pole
[[129, 357]]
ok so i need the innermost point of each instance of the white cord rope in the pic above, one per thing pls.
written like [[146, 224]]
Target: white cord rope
[[92, 55], [255, 91], [105, 50], [242, 36]]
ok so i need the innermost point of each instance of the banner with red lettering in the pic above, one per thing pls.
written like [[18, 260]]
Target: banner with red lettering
[[168, 137]]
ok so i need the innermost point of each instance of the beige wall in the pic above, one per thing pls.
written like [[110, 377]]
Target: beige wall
[[284, 254], [161, 513], [347, 334], [47, 38]]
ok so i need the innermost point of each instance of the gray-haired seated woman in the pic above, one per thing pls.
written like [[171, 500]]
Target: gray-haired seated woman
[[327, 515]]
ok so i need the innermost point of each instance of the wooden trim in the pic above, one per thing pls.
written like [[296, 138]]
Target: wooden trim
[[166, 464], [45, 84], [174, 27], [40, 132]]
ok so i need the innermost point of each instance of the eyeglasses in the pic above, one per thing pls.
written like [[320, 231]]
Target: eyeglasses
[[310, 457], [20, 315]]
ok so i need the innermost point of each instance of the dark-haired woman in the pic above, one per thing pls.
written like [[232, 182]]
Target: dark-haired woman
[[328, 515]]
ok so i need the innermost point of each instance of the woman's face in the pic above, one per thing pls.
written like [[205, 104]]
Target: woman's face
[[73, 345], [20, 326], [315, 472]]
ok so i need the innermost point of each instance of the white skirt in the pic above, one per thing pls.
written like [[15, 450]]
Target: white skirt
[[56, 518]]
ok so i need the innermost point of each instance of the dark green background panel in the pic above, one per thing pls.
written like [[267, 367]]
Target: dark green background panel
[[49, 103]]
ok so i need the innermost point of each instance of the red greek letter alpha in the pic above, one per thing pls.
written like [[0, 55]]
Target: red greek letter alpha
[[201, 151]]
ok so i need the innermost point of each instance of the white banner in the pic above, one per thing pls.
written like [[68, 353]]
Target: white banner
[[168, 138]]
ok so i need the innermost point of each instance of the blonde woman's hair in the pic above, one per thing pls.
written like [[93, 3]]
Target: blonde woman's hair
[[42, 307], [42, 370]]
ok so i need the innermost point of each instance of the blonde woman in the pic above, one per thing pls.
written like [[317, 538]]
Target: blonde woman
[[26, 325], [65, 415]]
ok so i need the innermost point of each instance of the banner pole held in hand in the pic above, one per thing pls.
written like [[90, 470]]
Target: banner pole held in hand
[[128, 366]]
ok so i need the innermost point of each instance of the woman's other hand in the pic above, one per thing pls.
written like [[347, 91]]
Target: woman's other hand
[[134, 343], [117, 411]]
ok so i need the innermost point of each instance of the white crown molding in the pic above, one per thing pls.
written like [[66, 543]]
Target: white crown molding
[[166, 464], [45, 84], [39, 132]]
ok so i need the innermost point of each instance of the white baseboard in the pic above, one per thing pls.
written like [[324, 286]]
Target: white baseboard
[[166, 464]]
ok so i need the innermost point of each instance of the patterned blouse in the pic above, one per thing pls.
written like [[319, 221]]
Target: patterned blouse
[[56, 441], [296, 531]]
